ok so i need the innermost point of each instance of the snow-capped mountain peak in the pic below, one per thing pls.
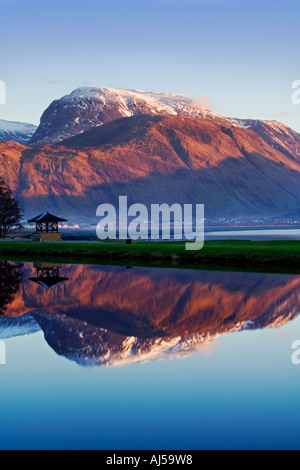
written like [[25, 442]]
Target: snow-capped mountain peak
[[88, 107]]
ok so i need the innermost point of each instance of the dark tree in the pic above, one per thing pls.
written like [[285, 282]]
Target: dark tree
[[10, 212], [10, 281]]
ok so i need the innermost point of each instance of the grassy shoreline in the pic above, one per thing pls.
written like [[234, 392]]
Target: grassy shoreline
[[241, 255]]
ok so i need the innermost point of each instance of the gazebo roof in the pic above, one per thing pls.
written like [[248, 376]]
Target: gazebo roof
[[48, 281], [47, 217]]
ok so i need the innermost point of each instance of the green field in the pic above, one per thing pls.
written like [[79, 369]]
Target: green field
[[268, 256]]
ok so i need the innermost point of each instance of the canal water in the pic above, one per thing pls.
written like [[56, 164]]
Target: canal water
[[103, 357]]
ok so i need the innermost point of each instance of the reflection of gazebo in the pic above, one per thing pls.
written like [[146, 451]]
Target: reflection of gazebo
[[46, 227], [47, 274]]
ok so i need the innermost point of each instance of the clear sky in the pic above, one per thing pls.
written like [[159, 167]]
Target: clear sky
[[243, 55]]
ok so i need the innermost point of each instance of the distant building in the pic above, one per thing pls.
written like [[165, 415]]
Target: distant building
[[46, 227]]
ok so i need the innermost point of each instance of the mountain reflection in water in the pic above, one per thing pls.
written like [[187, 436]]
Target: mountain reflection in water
[[109, 316]]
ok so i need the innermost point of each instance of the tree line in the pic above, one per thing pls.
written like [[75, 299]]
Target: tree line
[[10, 211]]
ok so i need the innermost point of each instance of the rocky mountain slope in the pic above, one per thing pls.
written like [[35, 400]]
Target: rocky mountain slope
[[277, 135]]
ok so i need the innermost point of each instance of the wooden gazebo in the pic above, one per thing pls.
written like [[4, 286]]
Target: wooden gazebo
[[47, 275], [46, 227]]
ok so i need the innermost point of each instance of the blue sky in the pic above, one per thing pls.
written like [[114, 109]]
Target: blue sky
[[243, 55]]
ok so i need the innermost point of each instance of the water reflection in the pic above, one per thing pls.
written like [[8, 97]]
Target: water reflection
[[115, 316], [47, 274], [10, 281]]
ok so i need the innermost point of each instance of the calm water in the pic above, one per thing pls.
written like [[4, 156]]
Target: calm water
[[114, 358]]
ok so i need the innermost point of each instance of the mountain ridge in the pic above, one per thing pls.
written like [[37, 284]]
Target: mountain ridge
[[20, 132], [89, 107]]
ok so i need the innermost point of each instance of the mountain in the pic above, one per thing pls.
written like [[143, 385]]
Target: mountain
[[155, 159], [98, 143], [20, 132], [86, 108]]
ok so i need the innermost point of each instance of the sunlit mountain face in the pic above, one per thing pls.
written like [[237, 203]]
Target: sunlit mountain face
[[108, 316], [96, 144]]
